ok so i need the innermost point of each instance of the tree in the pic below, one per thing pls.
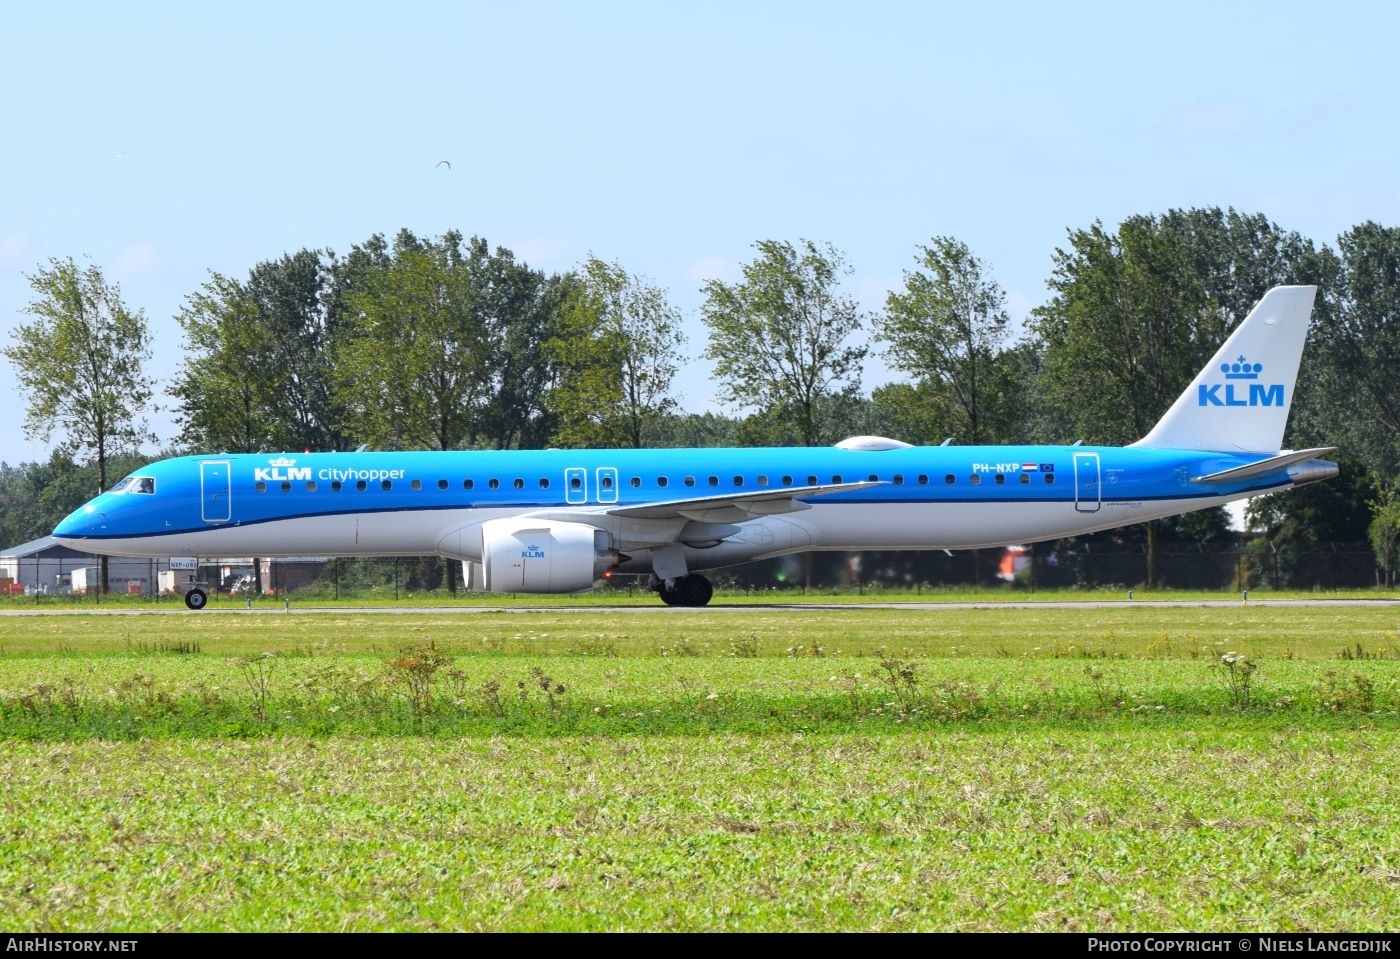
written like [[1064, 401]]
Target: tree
[[258, 368], [1295, 522], [1136, 313], [1384, 530], [1351, 389], [617, 349], [444, 344], [82, 363], [778, 339], [413, 372], [947, 330]]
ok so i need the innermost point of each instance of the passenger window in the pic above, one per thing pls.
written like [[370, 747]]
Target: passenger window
[[493, 483], [636, 482], [311, 486], [690, 481], [607, 482], [975, 478], [714, 480], [662, 481], [575, 483], [519, 483], [762, 480], [442, 484], [416, 484], [811, 481], [386, 484], [950, 479], [923, 479], [261, 487], [1049, 478], [286, 486], [835, 480], [1001, 478], [360, 485], [335, 486], [898, 479], [468, 484], [544, 482], [1025, 478], [738, 481], [787, 480]]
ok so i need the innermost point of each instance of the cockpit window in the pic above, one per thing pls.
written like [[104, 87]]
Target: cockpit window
[[134, 484]]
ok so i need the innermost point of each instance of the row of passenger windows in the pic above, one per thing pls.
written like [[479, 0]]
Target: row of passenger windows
[[606, 482]]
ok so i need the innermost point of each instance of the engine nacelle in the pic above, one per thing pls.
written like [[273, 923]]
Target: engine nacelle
[[543, 556]]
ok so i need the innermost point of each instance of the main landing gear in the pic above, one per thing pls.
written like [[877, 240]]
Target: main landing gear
[[196, 598], [689, 590]]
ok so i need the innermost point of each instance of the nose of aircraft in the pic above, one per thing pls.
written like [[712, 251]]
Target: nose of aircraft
[[84, 521]]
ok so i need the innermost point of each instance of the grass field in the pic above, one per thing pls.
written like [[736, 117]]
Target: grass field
[[1128, 768]]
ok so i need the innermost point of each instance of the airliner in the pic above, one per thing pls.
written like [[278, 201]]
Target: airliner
[[555, 521]]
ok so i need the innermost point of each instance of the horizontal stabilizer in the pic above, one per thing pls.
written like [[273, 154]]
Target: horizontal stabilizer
[[1263, 466]]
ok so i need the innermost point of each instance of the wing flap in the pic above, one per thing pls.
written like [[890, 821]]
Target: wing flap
[[727, 507]]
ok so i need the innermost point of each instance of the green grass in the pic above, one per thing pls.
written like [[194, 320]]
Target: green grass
[[629, 595], [886, 769]]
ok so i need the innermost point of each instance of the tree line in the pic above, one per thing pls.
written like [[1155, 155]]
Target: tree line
[[447, 343]]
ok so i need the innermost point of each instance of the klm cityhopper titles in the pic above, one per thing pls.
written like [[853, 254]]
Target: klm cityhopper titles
[[554, 521]]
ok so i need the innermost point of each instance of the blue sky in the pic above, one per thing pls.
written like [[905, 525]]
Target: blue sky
[[162, 140]]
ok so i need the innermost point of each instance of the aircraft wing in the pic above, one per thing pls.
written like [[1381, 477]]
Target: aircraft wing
[[732, 507], [1263, 466]]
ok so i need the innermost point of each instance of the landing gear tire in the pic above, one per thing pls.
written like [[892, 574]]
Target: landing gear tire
[[196, 599], [692, 590]]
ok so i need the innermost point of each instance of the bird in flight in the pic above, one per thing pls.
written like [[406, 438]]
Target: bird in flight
[[444, 163]]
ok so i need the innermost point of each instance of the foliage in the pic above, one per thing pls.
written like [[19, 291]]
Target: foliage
[[414, 370], [1145, 306], [1351, 390], [81, 363], [947, 330], [1384, 530], [260, 354], [1311, 517], [779, 340], [617, 347]]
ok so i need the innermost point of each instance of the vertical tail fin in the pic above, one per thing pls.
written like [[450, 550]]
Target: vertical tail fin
[[1240, 401]]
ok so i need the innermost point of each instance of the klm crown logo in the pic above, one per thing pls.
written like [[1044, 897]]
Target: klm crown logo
[[280, 470], [1241, 369], [1237, 392]]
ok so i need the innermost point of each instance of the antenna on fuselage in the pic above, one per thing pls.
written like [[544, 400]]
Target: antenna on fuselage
[[361, 448], [946, 442]]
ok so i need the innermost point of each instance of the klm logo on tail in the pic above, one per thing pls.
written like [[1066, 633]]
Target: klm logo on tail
[[1238, 393]]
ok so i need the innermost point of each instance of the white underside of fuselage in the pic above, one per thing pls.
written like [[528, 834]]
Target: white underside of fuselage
[[826, 526]]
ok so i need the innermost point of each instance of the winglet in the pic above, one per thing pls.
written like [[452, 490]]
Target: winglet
[[1239, 403]]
